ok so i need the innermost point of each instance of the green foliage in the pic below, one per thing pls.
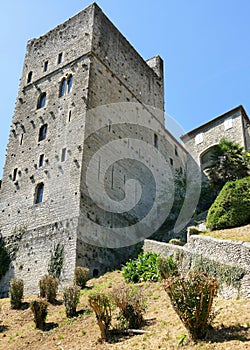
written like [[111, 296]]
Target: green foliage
[[101, 304], [144, 268], [71, 298], [231, 275], [192, 296], [39, 309], [56, 261], [132, 304], [229, 163], [232, 206], [4, 258], [81, 276], [48, 286], [16, 293], [176, 241], [168, 266]]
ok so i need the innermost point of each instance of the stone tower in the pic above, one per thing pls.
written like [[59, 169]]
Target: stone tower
[[76, 67]]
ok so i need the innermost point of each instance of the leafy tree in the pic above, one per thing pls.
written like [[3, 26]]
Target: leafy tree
[[229, 162]]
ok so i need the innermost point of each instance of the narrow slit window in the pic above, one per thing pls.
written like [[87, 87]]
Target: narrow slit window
[[59, 59], [43, 132], [69, 83], [63, 156], [14, 174], [41, 100], [176, 151], [110, 125], [39, 193], [156, 140], [21, 139], [41, 160], [69, 116], [46, 65], [29, 78], [171, 161], [63, 86]]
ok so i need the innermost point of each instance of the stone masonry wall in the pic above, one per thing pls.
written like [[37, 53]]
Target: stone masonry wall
[[234, 253]]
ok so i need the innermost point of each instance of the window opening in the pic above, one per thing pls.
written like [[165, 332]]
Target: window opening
[[43, 132], [156, 140], [46, 65], [29, 78], [14, 174], [41, 160], [59, 60], [176, 151], [63, 156], [39, 193], [69, 116], [21, 140], [41, 100], [62, 87], [171, 161], [198, 138], [69, 81]]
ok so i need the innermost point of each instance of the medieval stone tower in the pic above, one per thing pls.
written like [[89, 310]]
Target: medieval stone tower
[[80, 65]]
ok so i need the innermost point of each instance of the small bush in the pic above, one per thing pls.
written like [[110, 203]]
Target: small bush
[[168, 267], [144, 268], [131, 302], [71, 297], [16, 293], [81, 276], [48, 286], [231, 208], [101, 304], [176, 241], [192, 296], [39, 309]]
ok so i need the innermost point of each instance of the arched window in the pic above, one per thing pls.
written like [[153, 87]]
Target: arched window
[[29, 78], [42, 132], [41, 100], [39, 193], [63, 87], [69, 83]]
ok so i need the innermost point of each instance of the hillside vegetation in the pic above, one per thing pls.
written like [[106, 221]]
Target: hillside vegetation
[[163, 329]]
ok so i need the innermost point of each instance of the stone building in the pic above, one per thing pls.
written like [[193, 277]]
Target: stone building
[[233, 125], [59, 124]]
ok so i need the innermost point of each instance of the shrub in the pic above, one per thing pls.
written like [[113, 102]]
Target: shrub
[[39, 309], [101, 305], [232, 206], [81, 276], [168, 267], [176, 241], [48, 288], [16, 293], [131, 302], [192, 296], [71, 297], [144, 268]]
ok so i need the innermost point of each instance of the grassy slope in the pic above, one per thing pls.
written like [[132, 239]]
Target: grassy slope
[[231, 328], [238, 233]]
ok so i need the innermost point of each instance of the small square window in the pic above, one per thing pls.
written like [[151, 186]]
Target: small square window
[[199, 138]]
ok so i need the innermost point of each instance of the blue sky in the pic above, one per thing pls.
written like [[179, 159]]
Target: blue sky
[[204, 43]]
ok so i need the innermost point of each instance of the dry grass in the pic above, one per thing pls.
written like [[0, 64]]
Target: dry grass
[[231, 329], [237, 234]]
